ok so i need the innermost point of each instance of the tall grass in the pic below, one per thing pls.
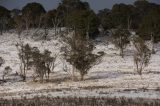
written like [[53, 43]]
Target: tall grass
[[79, 101]]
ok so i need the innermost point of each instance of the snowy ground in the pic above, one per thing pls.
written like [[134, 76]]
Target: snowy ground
[[114, 76]]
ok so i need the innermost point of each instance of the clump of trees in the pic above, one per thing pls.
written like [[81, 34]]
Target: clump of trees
[[142, 16], [31, 57], [4, 19], [142, 54], [31, 14], [43, 63]]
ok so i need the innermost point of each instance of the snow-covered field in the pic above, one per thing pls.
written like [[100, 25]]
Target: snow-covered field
[[114, 76]]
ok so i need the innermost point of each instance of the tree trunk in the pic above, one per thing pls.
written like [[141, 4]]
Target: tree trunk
[[73, 74], [55, 29], [1, 31], [152, 41], [121, 53], [1, 28], [3, 77], [60, 30], [82, 77]]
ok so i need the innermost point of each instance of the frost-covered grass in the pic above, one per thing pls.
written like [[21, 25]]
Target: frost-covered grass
[[114, 76]]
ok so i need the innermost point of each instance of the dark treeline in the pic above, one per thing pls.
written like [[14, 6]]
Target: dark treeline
[[72, 14], [142, 17]]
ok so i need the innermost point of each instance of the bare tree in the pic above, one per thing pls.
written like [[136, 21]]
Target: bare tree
[[121, 39], [142, 54]]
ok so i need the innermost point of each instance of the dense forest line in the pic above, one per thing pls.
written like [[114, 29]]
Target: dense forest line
[[142, 17]]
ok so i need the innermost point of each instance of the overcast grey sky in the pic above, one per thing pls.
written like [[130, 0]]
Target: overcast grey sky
[[50, 4]]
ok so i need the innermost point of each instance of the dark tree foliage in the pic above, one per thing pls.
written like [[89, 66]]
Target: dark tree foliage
[[126, 16], [78, 10], [105, 19], [85, 20], [68, 6], [15, 12], [122, 15], [4, 19], [4, 12], [142, 9], [54, 18], [33, 12], [150, 25]]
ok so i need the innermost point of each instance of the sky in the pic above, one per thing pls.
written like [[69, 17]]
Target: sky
[[51, 4]]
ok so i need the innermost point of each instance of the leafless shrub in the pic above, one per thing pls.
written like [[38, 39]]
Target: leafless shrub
[[142, 54]]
